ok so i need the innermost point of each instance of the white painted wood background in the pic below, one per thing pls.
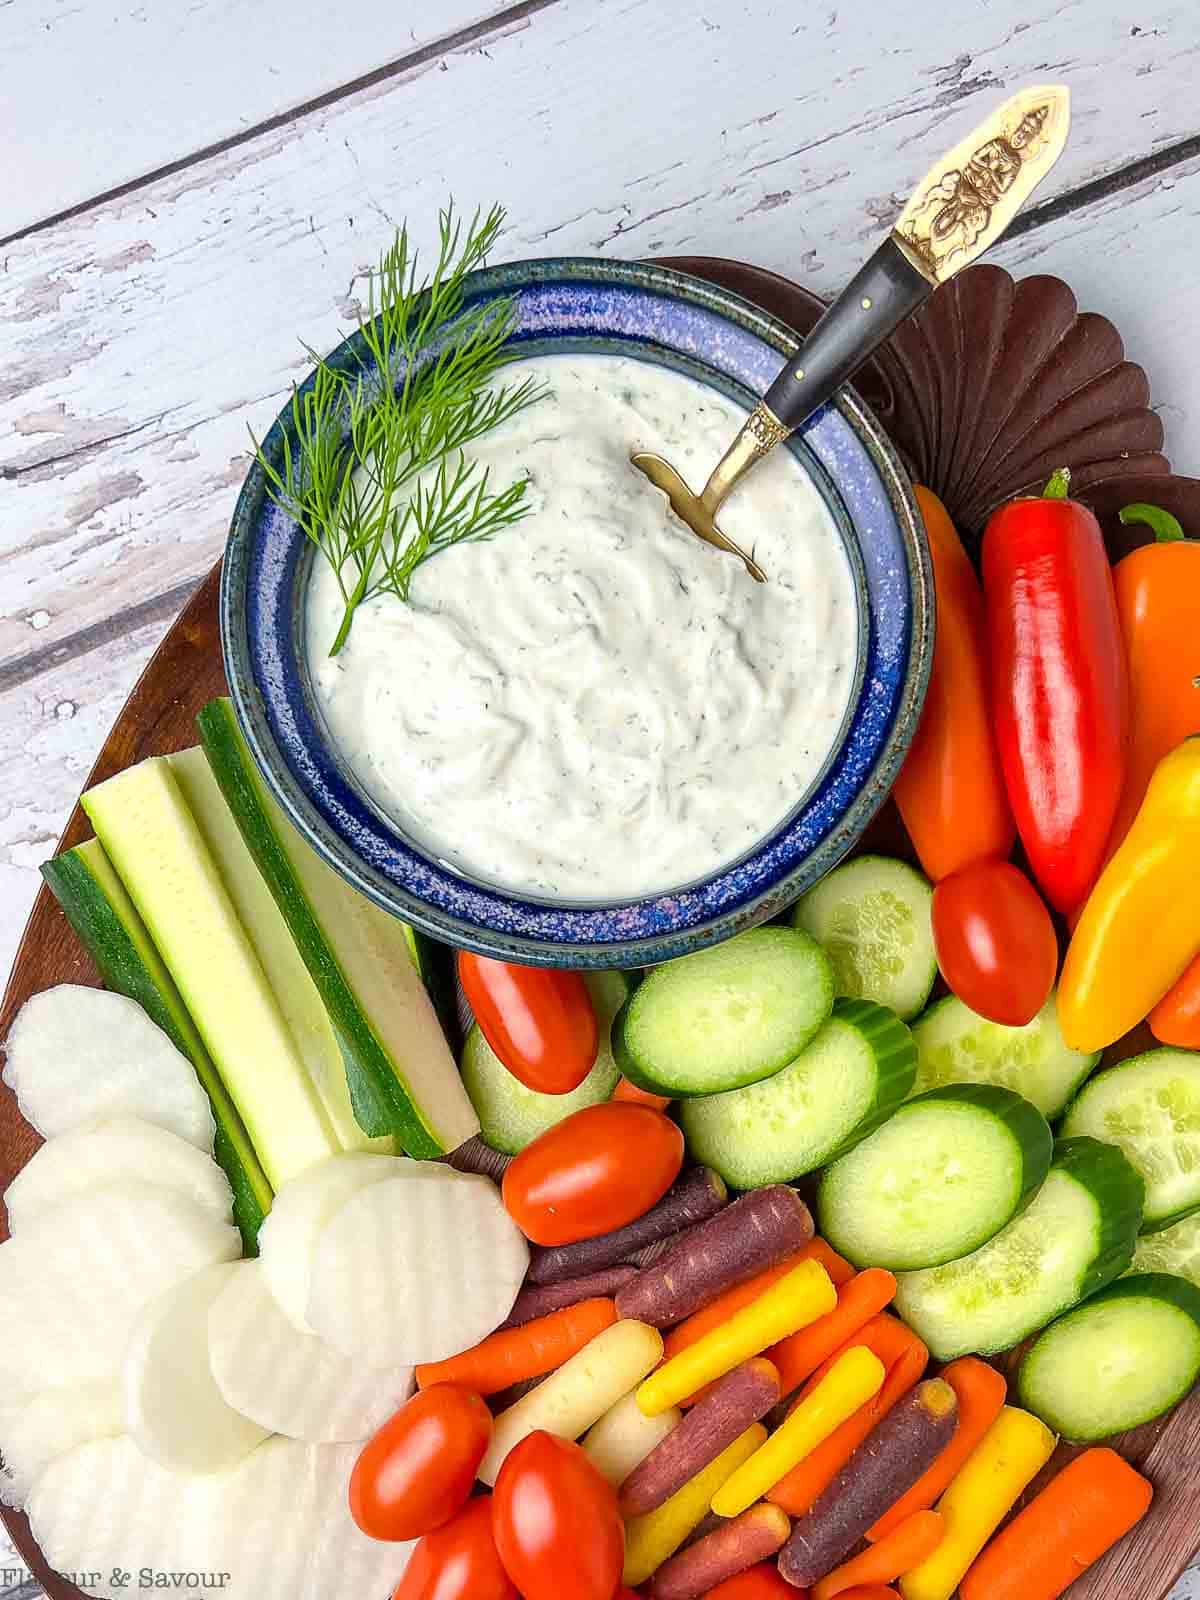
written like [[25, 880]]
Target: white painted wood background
[[192, 188]]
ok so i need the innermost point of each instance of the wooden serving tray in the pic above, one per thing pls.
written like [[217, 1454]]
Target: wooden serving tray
[[186, 672]]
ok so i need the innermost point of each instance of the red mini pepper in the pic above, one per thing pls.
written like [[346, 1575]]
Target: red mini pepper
[[1059, 693]]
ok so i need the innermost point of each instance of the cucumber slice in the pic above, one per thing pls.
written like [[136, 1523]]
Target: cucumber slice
[[1074, 1237], [295, 992], [1149, 1106], [152, 840], [1128, 1355], [955, 1045], [871, 916], [844, 1083], [1175, 1249], [725, 1017], [403, 1079], [512, 1116], [96, 905], [939, 1179]]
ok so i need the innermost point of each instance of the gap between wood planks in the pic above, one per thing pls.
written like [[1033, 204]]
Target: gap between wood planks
[[445, 45], [161, 608]]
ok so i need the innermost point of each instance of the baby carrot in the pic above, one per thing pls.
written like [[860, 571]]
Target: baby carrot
[[906, 1546], [529, 1351], [863, 1297], [980, 1390], [756, 1583], [724, 1306], [640, 1097], [852, 1380], [1009, 1456], [797, 1299], [654, 1538], [905, 1358], [1079, 1515]]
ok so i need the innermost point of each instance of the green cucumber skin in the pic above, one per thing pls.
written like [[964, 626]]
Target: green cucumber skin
[[380, 1105], [107, 940], [1161, 1286], [1150, 1224], [1030, 1131], [890, 1044], [1120, 1194], [643, 1077]]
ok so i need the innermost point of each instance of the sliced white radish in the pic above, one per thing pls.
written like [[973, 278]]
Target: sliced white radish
[[417, 1268], [291, 1537], [287, 1240], [50, 1424], [77, 1055], [74, 1283], [122, 1147], [277, 1527], [105, 1510], [293, 1382], [174, 1410]]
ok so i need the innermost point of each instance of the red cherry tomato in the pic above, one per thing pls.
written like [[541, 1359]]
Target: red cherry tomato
[[995, 941], [592, 1172], [634, 1096], [557, 1526], [419, 1468], [538, 1021], [459, 1561]]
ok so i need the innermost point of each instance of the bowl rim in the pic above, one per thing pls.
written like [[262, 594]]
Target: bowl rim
[[663, 943]]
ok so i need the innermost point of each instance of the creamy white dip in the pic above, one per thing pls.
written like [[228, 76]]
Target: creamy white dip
[[596, 705]]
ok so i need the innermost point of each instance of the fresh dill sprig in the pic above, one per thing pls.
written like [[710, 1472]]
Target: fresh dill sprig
[[361, 434]]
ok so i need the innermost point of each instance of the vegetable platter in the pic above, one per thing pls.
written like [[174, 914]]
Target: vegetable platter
[[715, 1369]]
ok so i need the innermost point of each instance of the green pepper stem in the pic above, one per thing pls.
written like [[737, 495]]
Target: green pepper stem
[[1059, 487], [1166, 527]]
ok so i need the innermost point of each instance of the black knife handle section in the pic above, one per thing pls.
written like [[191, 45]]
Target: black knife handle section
[[874, 303]]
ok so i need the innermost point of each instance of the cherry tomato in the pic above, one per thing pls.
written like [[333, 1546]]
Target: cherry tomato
[[995, 941], [630, 1093], [538, 1021], [761, 1582], [595, 1171], [459, 1561], [419, 1468], [557, 1526]]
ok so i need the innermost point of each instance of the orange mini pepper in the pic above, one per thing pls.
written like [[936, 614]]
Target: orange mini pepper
[[951, 790]]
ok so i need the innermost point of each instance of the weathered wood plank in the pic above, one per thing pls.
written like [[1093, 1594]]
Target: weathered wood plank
[[148, 334], [203, 74]]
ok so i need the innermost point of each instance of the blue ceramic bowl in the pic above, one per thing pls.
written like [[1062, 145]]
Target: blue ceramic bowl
[[693, 327]]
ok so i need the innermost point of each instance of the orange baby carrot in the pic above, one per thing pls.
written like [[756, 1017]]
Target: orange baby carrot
[[981, 1391], [799, 1356], [640, 1097], [741, 1294], [514, 1354], [905, 1358], [904, 1548], [1093, 1502]]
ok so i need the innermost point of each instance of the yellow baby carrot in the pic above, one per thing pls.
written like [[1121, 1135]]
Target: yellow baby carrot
[[1010, 1454], [806, 1293], [853, 1379], [654, 1538]]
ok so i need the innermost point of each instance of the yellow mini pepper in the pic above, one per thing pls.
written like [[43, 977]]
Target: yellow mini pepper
[[1139, 929]]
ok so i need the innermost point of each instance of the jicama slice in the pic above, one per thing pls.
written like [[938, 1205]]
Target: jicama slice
[[104, 1510], [51, 1423], [174, 1411], [292, 1382], [287, 1240], [288, 1533], [416, 1268], [74, 1283], [123, 1147], [76, 1055]]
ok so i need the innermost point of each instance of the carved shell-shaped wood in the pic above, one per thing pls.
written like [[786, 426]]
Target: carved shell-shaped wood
[[994, 384]]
